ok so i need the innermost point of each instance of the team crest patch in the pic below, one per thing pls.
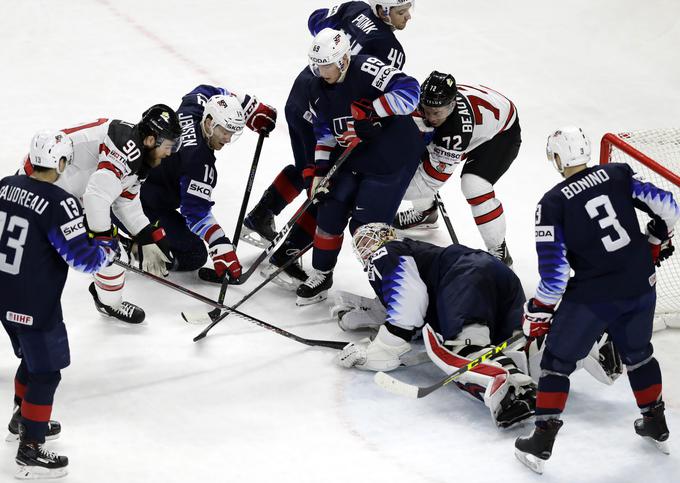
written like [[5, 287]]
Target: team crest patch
[[166, 116], [22, 319]]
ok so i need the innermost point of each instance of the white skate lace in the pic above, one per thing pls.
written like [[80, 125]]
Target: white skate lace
[[410, 216], [499, 251], [49, 455], [126, 309], [316, 279]]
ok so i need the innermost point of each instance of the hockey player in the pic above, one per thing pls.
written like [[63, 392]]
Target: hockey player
[[111, 159], [211, 118], [470, 125], [463, 299], [370, 28], [357, 97], [587, 223], [42, 233]]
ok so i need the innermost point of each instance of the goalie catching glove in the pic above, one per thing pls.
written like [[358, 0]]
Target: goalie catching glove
[[380, 354], [151, 250]]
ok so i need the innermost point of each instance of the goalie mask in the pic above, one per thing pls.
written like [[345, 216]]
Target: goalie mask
[[369, 238], [568, 147], [48, 147]]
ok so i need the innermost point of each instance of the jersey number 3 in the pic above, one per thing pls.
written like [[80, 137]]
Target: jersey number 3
[[608, 221], [16, 244]]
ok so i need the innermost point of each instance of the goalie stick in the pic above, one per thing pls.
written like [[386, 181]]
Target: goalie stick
[[445, 215], [401, 388], [289, 226], [310, 342]]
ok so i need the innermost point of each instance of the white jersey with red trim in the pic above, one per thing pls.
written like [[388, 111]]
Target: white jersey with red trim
[[107, 155], [481, 113]]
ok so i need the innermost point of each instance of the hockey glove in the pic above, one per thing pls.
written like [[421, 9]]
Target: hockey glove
[[224, 259], [381, 354], [260, 117], [151, 250], [366, 123], [660, 243], [312, 177], [537, 317]]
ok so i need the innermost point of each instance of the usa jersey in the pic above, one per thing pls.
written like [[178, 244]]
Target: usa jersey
[[392, 93], [189, 175], [587, 223], [367, 33], [481, 113], [41, 234], [108, 162]]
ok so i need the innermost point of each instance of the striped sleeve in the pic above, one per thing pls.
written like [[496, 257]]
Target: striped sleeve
[[553, 266], [196, 208], [405, 295], [401, 96], [325, 143], [659, 204]]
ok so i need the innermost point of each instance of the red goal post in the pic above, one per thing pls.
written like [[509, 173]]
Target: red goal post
[[655, 156]]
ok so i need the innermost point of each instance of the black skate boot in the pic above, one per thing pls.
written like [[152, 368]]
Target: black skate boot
[[53, 427], [35, 462], [535, 449], [127, 312], [502, 253], [412, 218], [652, 426], [516, 407], [315, 288], [292, 276], [258, 226]]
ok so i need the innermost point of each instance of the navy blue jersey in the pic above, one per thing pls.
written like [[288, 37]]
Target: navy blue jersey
[[41, 234], [393, 94], [368, 34], [587, 223], [189, 175], [419, 283]]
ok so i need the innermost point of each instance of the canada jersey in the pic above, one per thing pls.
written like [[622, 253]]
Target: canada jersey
[[587, 223], [481, 113], [41, 233], [367, 33]]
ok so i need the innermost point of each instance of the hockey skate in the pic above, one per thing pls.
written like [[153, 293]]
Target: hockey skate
[[516, 407], [315, 288], [292, 276], [652, 426], [53, 427], [127, 312], [502, 253], [415, 219], [535, 449], [258, 227], [35, 462]]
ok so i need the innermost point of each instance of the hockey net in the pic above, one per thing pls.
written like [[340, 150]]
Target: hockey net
[[655, 156]]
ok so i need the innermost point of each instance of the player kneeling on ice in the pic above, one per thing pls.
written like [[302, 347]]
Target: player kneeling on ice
[[45, 234], [211, 118], [587, 224], [464, 300], [470, 125]]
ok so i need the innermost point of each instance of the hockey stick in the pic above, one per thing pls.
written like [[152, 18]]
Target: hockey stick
[[310, 342], [242, 214], [206, 317], [401, 388], [447, 220]]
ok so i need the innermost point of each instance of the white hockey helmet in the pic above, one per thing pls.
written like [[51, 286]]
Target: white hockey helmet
[[329, 47], [387, 5], [369, 238], [225, 111], [570, 145], [48, 147]]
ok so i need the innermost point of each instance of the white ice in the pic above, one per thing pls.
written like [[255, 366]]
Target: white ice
[[247, 405]]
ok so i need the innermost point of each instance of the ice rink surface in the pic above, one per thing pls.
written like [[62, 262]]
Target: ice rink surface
[[146, 404]]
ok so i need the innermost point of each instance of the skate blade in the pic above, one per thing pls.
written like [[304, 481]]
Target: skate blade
[[253, 238], [282, 280], [530, 461], [661, 445], [320, 297], [12, 438], [38, 472], [424, 226]]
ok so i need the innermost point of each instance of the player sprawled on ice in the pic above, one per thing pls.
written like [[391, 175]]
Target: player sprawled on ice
[[470, 125], [359, 97], [111, 158], [587, 224], [211, 117], [42, 233], [463, 299], [370, 29]]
